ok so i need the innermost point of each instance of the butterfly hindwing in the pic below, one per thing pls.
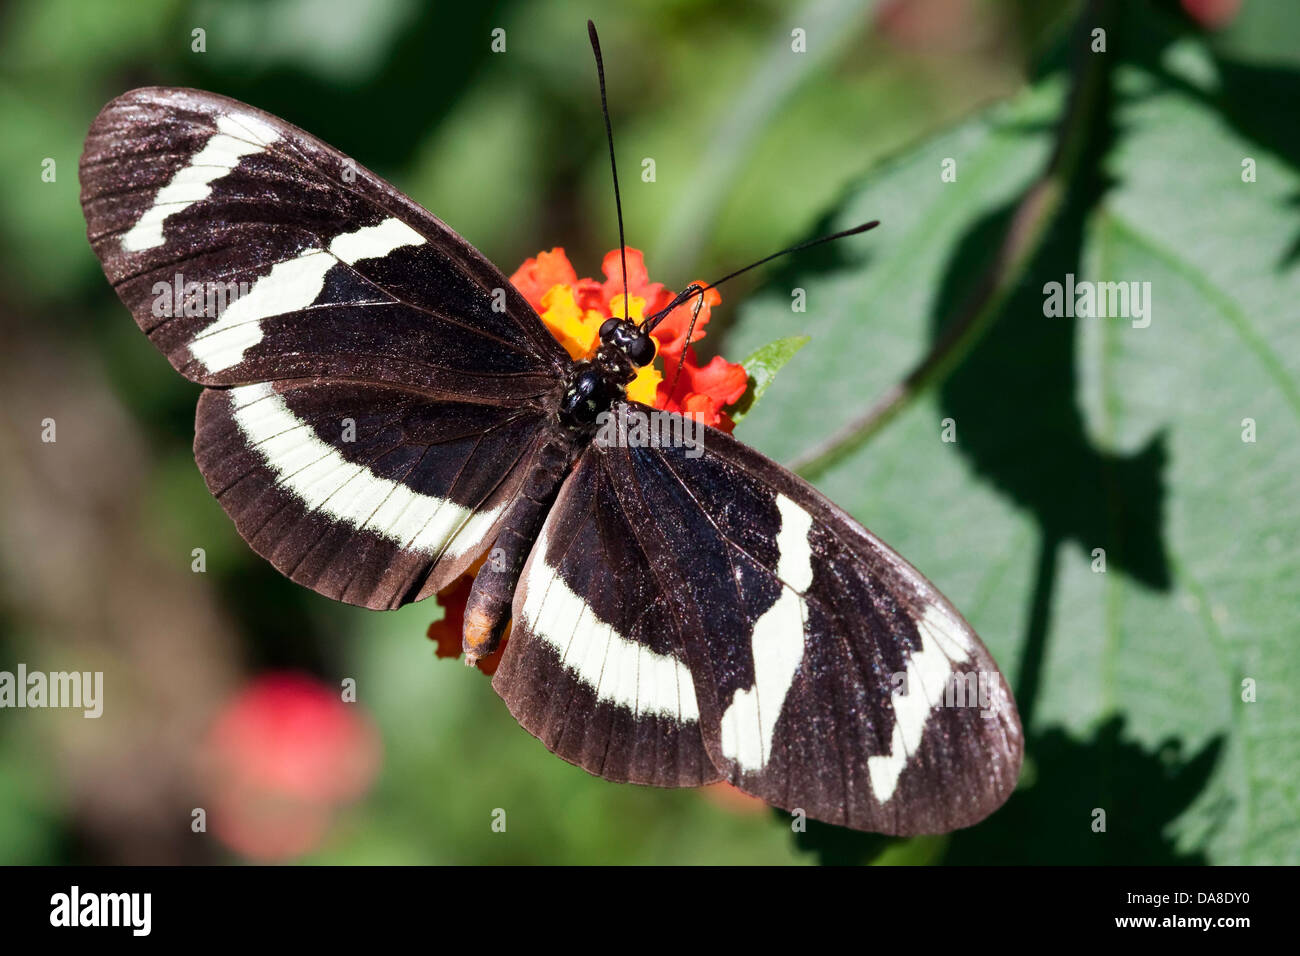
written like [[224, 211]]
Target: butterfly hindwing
[[370, 494], [828, 674], [592, 667], [248, 250]]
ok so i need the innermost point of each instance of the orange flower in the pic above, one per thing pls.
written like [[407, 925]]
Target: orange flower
[[702, 392], [574, 310], [671, 332], [536, 276], [446, 633]]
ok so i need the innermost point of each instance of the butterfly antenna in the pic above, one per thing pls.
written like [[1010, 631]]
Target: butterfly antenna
[[681, 359], [613, 166], [648, 325]]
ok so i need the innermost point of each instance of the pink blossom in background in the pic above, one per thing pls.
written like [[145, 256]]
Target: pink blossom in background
[[1211, 14], [283, 755]]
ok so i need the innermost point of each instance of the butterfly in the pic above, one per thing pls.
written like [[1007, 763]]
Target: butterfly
[[382, 410]]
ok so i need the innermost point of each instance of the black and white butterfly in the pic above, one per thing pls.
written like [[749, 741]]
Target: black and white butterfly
[[383, 409]]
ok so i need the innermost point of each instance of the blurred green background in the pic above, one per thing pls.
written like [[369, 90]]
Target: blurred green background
[[1124, 163]]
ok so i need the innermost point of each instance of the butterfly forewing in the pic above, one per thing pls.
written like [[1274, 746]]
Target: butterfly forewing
[[387, 384], [827, 674], [297, 261]]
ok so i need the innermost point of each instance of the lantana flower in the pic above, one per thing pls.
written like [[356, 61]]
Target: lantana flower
[[573, 310]]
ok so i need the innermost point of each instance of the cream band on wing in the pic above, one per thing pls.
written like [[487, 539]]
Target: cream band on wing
[[290, 286], [318, 475], [237, 136], [622, 672]]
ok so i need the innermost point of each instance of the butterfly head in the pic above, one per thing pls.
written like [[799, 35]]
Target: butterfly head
[[628, 338]]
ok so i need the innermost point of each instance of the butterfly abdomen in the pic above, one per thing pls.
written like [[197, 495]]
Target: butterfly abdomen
[[487, 610]]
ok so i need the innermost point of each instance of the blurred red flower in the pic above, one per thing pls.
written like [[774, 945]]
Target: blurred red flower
[[284, 754], [1212, 14]]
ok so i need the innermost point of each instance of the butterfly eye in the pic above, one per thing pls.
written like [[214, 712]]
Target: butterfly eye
[[641, 350]]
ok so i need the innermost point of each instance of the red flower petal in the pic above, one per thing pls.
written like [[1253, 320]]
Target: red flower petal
[[536, 276], [612, 266], [446, 633], [671, 330], [638, 281], [720, 379], [590, 294], [703, 408]]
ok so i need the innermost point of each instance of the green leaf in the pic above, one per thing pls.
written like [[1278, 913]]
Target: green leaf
[[1080, 434], [761, 367]]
